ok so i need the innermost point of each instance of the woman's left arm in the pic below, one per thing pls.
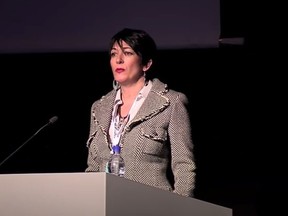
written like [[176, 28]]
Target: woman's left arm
[[180, 134]]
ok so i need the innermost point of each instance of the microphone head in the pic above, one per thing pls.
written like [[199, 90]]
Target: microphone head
[[53, 119]]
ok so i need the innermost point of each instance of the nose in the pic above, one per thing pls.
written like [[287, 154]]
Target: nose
[[119, 59]]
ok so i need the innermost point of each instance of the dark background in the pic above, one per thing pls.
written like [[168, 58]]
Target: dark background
[[233, 92]]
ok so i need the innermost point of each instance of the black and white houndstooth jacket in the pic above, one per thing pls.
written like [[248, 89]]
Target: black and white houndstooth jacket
[[156, 145]]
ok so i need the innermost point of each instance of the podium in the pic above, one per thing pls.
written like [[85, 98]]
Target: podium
[[94, 194]]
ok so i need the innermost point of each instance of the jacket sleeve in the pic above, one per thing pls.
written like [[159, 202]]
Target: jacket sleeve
[[180, 134]]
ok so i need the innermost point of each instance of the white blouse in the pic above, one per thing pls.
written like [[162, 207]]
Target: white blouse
[[118, 124]]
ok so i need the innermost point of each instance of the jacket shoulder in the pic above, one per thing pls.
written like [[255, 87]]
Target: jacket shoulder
[[173, 95], [103, 98]]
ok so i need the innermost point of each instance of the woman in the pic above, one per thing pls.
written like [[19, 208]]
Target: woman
[[148, 120]]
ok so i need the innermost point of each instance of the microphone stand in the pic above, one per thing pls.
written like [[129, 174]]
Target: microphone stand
[[51, 121]]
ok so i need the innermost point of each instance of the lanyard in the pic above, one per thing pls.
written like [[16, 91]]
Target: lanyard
[[118, 124]]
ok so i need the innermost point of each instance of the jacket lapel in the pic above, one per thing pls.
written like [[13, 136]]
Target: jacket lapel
[[104, 111], [155, 103]]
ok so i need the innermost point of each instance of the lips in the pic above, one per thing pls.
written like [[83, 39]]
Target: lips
[[119, 70]]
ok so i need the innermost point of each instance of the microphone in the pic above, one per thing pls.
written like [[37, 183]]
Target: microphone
[[50, 122]]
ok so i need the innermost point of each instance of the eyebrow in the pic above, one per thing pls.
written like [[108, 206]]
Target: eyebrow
[[126, 47]]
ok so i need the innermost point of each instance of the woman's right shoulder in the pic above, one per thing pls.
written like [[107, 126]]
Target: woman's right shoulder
[[103, 97]]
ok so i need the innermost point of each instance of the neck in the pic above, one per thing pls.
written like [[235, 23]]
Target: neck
[[131, 91]]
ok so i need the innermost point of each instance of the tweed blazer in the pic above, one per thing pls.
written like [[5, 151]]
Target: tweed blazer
[[156, 144]]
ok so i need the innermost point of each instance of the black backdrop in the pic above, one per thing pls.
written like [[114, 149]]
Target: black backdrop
[[38, 86]]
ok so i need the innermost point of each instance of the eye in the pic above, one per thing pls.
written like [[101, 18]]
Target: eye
[[127, 53], [112, 54]]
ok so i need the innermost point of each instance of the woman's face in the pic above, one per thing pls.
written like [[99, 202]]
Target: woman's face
[[125, 64]]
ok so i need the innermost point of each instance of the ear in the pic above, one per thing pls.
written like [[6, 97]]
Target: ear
[[148, 65]]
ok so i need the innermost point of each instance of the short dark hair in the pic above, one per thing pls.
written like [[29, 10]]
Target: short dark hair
[[140, 41]]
